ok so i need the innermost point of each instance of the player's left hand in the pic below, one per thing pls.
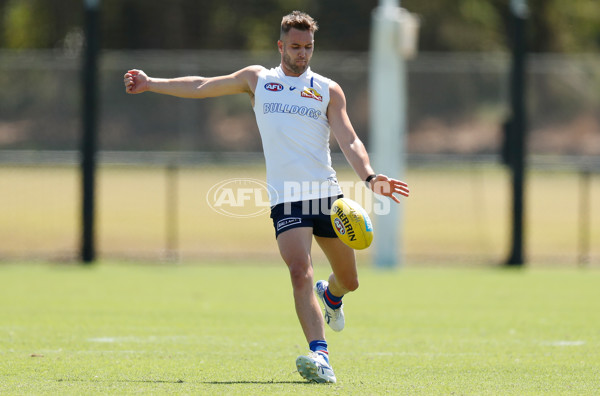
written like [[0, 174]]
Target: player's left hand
[[387, 186]]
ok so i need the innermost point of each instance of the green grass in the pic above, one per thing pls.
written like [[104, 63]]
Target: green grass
[[221, 328]]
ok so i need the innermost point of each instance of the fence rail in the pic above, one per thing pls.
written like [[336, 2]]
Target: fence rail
[[190, 158]]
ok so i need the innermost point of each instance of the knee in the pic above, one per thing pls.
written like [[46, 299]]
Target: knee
[[300, 274]]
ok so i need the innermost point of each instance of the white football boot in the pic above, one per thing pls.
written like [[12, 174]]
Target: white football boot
[[315, 368], [333, 317]]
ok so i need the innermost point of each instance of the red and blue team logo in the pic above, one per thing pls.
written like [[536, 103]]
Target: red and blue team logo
[[311, 93], [274, 87], [339, 225]]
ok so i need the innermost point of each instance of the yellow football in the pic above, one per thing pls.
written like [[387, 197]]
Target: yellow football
[[351, 223]]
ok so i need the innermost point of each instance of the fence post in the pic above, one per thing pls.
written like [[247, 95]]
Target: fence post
[[518, 131], [584, 217], [89, 129], [172, 212]]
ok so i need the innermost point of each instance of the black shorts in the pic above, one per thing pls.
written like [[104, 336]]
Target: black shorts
[[313, 213]]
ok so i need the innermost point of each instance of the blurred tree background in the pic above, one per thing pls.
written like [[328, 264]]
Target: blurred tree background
[[458, 94], [447, 25]]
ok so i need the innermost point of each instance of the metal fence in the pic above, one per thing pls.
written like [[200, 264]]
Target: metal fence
[[457, 105], [457, 102]]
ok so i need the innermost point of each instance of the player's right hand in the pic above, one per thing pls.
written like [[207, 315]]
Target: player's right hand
[[387, 186], [136, 81]]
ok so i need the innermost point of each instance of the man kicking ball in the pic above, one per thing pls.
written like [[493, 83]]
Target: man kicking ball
[[296, 109]]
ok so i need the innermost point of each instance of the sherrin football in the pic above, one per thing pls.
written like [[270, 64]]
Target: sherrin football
[[351, 223]]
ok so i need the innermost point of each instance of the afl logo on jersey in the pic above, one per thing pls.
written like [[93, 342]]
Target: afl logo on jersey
[[274, 87]]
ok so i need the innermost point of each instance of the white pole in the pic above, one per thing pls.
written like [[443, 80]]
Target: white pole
[[387, 124]]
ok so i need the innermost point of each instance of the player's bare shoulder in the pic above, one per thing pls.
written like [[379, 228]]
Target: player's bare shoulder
[[250, 75], [337, 99], [335, 91]]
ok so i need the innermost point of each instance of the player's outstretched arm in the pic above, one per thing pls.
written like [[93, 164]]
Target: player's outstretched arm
[[242, 81], [355, 150]]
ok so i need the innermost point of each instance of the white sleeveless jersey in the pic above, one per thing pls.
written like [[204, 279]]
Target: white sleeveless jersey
[[291, 113]]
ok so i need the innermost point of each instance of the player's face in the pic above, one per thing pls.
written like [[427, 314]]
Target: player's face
[[296, 49]]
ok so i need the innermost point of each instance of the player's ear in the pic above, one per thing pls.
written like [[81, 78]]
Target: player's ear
[[280, 46]]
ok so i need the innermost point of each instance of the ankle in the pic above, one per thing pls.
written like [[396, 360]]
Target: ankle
[[332, 300]]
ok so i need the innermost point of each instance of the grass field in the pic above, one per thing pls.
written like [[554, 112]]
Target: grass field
[[220, 328]]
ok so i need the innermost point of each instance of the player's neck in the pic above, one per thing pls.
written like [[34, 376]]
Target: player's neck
[[289, 72]]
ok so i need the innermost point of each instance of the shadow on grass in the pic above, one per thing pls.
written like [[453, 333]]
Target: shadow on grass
[[123, 381], [182, 381], [254, 382]]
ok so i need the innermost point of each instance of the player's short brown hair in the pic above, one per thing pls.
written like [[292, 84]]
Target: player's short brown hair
[[298, 20]]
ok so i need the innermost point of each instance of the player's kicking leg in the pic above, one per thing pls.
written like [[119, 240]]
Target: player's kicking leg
[[344, 279]]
